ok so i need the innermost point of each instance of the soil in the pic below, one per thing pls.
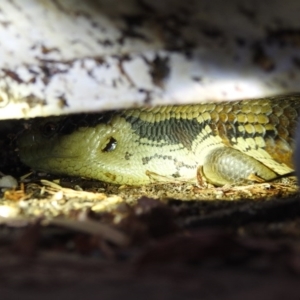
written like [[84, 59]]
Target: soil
[[76, 238]]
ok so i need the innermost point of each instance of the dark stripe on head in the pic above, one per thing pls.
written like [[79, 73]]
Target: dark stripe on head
[[172, 131]]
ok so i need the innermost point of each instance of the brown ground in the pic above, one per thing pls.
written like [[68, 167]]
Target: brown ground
[[78, 239]]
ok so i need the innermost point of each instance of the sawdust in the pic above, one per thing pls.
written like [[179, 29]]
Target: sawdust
[[49, 199]]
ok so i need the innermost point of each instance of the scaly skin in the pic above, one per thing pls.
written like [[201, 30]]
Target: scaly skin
[[221, 142]]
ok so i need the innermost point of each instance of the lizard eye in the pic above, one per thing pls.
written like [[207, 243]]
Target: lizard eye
[[49, 128], [111, 145]]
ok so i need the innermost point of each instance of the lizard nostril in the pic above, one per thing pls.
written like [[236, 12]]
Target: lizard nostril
[[49, 129]]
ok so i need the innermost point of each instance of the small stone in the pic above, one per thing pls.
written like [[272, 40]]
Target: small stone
[[8, 211], [8, 181]]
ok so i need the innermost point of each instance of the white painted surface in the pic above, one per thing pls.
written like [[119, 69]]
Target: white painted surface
[[66, 56]]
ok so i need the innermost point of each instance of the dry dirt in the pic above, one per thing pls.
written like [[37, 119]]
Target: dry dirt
[[75, 238]]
